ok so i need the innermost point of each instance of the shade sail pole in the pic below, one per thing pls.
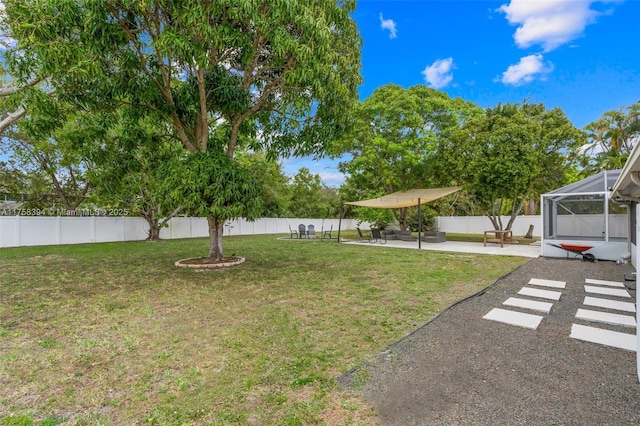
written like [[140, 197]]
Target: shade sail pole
[[339, 223], [419, 224]]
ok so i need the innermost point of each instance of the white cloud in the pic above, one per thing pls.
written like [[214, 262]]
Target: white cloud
[[326, 168], [438, 74], [549, 23], [333, 179], [388, 24], [526, 70]]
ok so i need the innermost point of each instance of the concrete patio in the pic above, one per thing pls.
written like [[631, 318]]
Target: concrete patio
[[531, 251]]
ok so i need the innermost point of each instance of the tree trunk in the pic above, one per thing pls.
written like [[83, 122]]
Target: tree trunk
[[154, 227], [515, 211], [529, 234], [496, 213], [494, 221], [531, 207], [155, 224], [402, 219], [154, 232], [216, 229]]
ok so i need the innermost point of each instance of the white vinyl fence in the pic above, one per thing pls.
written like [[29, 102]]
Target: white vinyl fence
[[16, 231], [479, 224], [567, 225]]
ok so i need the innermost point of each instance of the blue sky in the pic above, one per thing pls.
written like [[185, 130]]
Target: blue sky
[[579, 55]]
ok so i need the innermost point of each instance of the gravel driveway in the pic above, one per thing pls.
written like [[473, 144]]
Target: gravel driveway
[[461, 369]]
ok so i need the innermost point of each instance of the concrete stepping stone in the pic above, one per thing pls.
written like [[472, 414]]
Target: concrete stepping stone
[[528, 304], [604, 337], [547, 283], [543, 294], [609, 304], [607, 291], [604, 282], [606, 317], [519, 319]]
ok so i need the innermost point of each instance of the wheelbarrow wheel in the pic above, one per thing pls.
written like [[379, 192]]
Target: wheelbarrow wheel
[[588, 257]]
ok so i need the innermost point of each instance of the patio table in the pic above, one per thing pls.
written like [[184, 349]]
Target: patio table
[[500, 236]]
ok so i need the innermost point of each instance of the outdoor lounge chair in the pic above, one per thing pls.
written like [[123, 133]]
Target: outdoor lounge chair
[[302, 231], [363, 235], [293, 232], [434, 237], [311, 231], [396, 234], [378, 236]]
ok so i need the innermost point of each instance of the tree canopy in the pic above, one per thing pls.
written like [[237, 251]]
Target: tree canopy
[[310, 197], [284, 72], [395, 136], [611, 138], [126, 169], [45, 146], [512, 152]]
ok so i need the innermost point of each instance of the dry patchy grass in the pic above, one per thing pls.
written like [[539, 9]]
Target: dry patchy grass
[[113, 334]]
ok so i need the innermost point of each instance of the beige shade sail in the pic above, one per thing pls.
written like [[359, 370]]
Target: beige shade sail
[[409, 198]]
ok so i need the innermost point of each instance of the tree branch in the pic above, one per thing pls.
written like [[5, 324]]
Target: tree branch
[[7, 91], [12, 118], [165, 70], [268, 89], [171, 215], [202, 122]]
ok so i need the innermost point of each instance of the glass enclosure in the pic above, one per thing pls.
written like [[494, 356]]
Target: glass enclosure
[[583, 211]]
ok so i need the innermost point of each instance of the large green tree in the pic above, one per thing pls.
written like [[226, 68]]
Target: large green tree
[[284, 71], [395, 137], [126, 174], [45, 146], [310, 197], [275, 194], [611, 138], [513, 152]]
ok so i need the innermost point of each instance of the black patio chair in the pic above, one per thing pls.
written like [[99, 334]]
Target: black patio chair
[[327, 234], [302, 231], [311, 231], [378, 236], [363, 235]]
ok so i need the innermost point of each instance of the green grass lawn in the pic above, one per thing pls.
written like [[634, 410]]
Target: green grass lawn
[[114, 334]]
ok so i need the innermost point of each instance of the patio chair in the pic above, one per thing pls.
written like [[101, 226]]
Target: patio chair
[[363, 235], [293, 232], [378, 236], [327, 234], [311, 231], [302, 231], [434, 237]]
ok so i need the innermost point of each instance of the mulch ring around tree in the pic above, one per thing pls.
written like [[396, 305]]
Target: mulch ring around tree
[[205, 263]]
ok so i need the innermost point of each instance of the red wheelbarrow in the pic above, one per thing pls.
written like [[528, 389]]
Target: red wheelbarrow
[[578, 249]]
